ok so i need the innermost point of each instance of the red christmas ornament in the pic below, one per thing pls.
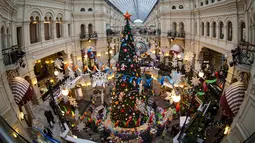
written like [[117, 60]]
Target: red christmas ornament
[[177, 107], [122, 110], [216, 74]]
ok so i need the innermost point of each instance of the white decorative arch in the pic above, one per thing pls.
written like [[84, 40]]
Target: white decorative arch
[[49, 12], [35, 12]]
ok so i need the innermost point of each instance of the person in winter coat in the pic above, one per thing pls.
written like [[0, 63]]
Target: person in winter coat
[[49, 117]]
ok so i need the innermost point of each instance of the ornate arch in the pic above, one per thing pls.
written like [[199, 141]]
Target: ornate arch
[[35, 12], [49, 11]]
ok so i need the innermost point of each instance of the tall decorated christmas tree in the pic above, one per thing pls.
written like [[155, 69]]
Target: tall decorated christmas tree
[[128, 89]]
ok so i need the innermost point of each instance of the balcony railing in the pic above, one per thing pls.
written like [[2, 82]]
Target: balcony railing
[[243, 54], [112, 33], [180, 34], [92, 35], [12, 55], [150, 32]]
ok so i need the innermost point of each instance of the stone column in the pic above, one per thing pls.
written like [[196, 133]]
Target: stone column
[[42, 31], [37, 94], [54, 34], [225, 31], [211, 30], [64, 29], [26, 33], [217, 32]]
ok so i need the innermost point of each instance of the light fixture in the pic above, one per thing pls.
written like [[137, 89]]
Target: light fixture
[[227, 129], [14, 135], [89, 40], [34, 82], [65, 91], [47, 62], [56, 73], [179, 56], [111, 52], [201, 74], [51, 80], [176, 98], [21, 115]]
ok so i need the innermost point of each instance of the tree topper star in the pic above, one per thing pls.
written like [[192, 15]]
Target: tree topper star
[[127, 16]]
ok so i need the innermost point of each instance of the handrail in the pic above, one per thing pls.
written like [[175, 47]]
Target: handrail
[[4, 133], [250, 138]]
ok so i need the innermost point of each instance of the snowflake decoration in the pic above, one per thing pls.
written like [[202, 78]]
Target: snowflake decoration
[[71, 74], [60, 76], [80, 126], [58, 63], [176, 77], [195, 81], [187, 68], [72, 101], [99, 79], [188, 56], [174, 63]]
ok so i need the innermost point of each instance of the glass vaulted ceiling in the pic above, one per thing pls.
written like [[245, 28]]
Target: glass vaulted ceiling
[[138, 8]]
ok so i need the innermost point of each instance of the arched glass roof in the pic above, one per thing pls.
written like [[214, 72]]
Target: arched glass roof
[[138, 8]]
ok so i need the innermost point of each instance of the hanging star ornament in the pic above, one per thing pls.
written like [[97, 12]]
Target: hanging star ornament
[[80, 126], [60, 76], [71, 74], [195, 81], [127, 16]]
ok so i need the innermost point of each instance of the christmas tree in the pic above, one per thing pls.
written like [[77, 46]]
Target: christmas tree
[[128, 89]]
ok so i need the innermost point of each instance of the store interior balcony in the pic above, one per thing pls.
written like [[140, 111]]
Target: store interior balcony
[[12, 57], [88, 36], [176, 34]]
